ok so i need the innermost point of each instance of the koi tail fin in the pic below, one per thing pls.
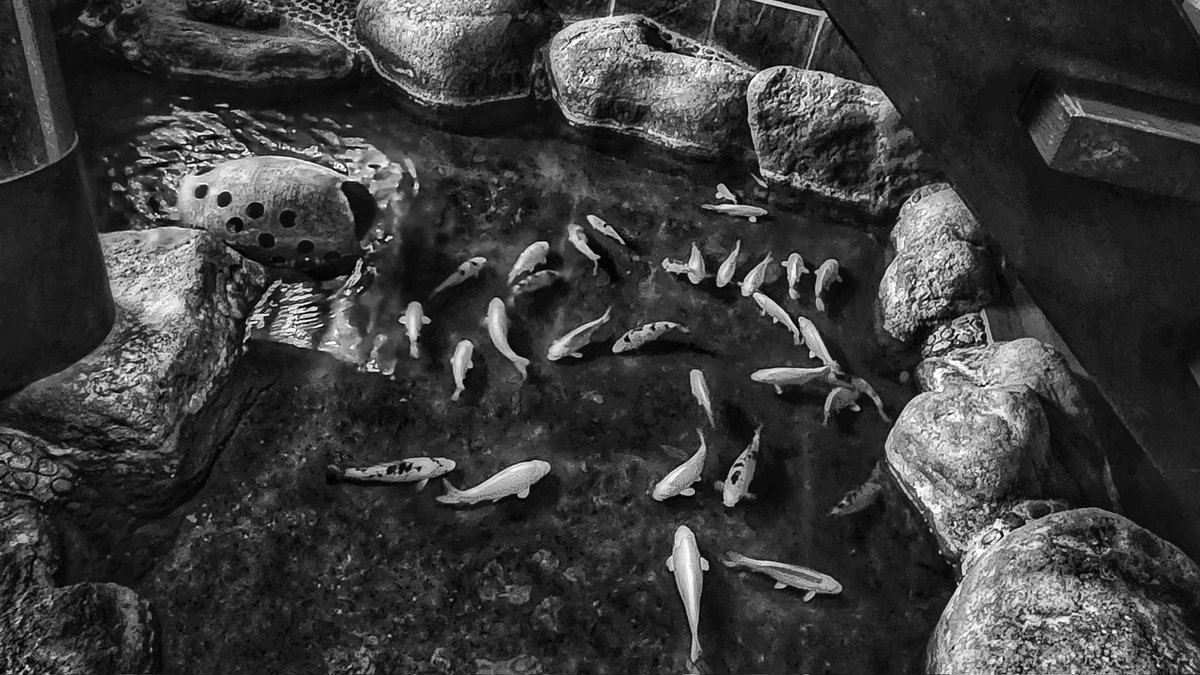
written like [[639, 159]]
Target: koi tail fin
[[695, 648], [522, 365], [733, 559], [413, 350], [453, 495], [457, 393], [820, 304]]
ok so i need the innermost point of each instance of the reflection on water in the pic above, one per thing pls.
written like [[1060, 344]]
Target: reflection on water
[[383, 576]]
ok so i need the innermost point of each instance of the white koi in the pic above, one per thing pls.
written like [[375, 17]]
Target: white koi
[[647, 333], [460, 363], [755, 278], [839, 399], [412, 470], [675, 267], [828, 273], [751, 213], [793, 377], [795, 269], [737, 484], [758, 179], [700, 391], [817, 348], [696, 271], [465, 271], [772, 309], [727, 269], [808, 580], [514, 480], [497, 328], [724, 194], [605, 229], [689, 568], [535, 282], [679, 481], [865, 388], [530, 258], [414, 319], [571, 343], [578, 239]]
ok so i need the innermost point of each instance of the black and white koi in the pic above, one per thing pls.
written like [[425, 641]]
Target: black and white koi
[[864, 387], [679, 482], [414, 319], [530, 258], [772, 309], [578, 239], [605, 229], [862, 496], [728, 268], [736, 485], [412, 470], [514, 480], [751, 213], [571, 343], [689, 568], [465, 271], [460, 363], [700, 391], [827, 274], [639, 336], [839, 399], [795, 269], [785, 575], [789, 377], [754, 278], [724, 194], [696, 271]]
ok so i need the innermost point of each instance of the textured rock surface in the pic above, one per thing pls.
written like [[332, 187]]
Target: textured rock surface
[[935, 216], [81, 628], [161, 38], [966, 331], [840, 139], [965, 455], [925, 286], [456, 53], [252, 14], [632, 75], [1082, 591], [32, 468], [181, 298]]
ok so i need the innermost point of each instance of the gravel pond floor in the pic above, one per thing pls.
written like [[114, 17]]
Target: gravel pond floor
[[269, 568]]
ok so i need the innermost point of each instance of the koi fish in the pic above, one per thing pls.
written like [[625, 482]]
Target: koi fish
[[605, 229], [647, 333], [578, 239], [755, 278], [758, 179], [689, 568], [793, 377], [785, 575], [795, 269], [412, 470], [772, 309], [535, 282], [530, 258], [497, 328], [571, 343], [751, 213], [737, 484], [414, 319], [460, 363], [465, 271], [696, 271], [862, 496], [864, 387], [724, 194], [679, 481], [839, 399], [727, 269], [700, 391], [817, 348], [514, 480], [827, 274], [676, 267]]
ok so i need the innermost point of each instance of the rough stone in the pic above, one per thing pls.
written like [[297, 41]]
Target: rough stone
[[935, 217], [966, 455], [252, 14], [631, 75], [927, 285], [1082, 591], [181, 298], [966, 331], [456, 53], [160, 37], [31, 468], [833, 137]]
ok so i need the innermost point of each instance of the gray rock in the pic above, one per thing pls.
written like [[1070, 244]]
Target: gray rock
[[1082, 591], [252, 14], [966, 455], [631, 75], [160, 37], [840, 139], [926, 285], [934, 216], [32, 468], [965, 331], [456, 53], [126, 410]]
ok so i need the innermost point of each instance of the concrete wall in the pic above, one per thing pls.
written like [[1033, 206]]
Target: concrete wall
[[764, 33]]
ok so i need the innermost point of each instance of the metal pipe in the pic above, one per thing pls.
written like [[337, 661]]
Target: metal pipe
[[55, 301]]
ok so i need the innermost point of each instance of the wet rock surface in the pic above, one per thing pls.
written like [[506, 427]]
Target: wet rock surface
[[124, 412], [1077, 591], [456, 53], [32, 468], [252, 14], [836, 138], [967, 330], [631, 75]]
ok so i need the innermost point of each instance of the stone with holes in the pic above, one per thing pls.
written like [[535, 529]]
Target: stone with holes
[[632, 75], [31, 468], [133, 418], [280, 211]]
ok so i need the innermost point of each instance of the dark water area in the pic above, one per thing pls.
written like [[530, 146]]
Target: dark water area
[[272, 569]]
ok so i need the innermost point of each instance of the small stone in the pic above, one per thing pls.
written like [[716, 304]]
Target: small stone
[[546, 613]]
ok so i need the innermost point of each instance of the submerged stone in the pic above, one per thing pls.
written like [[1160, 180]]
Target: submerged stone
[[833, 137], [924, 286], [631, 75], [1082, 591]]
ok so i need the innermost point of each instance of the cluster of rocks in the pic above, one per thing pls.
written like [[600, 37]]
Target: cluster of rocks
[[813, 132], [1000, 455]]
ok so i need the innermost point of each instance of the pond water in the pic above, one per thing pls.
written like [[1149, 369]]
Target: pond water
[[270, 568]]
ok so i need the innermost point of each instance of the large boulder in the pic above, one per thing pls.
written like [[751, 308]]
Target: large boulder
[[833, 137], [631, 75], [1082, 591], [925, 286], [456, 53], [966, 455], [935, 216], [128, 415], [163, 38]]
